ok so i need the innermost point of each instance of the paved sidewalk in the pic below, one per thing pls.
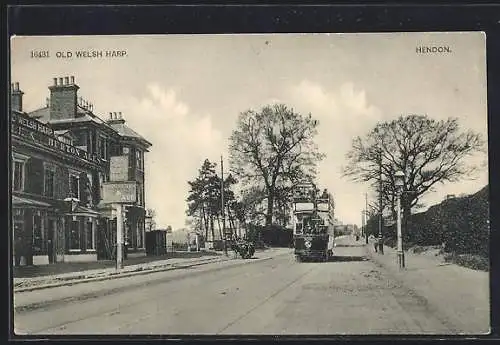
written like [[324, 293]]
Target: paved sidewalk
[[75, 267], [70, 278], [455, 292]]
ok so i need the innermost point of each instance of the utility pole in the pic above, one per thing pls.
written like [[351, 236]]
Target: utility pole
[[222, 204], [366, 217], [362, 223], [119, 236], [380, 239]]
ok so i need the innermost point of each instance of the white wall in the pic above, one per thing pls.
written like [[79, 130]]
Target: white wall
[[80, 258], [40, 260]]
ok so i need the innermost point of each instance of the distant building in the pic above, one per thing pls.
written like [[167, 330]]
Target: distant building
[[63, 151]]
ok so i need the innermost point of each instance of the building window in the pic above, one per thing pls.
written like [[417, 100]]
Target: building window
[[74, 185], [48, 186], [90, 235], [74, 236], [140, 230], [18, 175], [139, 160], [38, 238], [103, 149], [139, 194]]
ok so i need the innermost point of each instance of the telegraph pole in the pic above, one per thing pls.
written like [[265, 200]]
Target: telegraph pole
[[366, 217], [380, 239], [222, 204]]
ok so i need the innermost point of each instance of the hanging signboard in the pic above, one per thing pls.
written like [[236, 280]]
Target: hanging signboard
[[119, 192], [118, 168]]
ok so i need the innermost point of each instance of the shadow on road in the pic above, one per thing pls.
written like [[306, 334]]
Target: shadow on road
[[347, 258], [338, 259], [349, 245]]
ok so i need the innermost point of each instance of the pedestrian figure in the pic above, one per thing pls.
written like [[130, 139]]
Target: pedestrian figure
[[375, 245]]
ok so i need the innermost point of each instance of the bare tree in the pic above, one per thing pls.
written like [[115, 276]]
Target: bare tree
[[426, 150], [152, 222], [274, 142]]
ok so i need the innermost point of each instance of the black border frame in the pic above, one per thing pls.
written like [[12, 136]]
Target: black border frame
[[93, 18]]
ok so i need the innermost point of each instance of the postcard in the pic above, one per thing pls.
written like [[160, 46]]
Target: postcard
[[250, 184]]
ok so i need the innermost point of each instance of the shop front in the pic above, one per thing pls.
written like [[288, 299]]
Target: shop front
[[30, 224], [44, 233], [81, 227]]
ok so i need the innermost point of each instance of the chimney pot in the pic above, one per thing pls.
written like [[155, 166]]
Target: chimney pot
[[17, 86], [110, 115], [72, 80], [66, 80], [12, 86], [60, 81], [55, 81]]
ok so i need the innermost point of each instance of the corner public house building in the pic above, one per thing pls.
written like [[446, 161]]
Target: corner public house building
[[61, 156]]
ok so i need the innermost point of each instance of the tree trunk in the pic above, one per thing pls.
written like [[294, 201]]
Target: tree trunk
[[205, 221], [212, 227], [270, 206], [230, 216], [220, 227]]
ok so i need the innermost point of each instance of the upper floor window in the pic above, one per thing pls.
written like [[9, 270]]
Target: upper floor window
[[140, 194], [19, 172], [103, 149], [49, 181], [74, 184], [139, 160]]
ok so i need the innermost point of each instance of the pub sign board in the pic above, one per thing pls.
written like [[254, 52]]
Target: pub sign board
[[118, 168], [119, 192]]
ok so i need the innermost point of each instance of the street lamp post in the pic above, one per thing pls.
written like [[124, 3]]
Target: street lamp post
[[399, 182]]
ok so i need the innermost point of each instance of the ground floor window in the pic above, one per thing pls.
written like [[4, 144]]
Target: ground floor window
[[140, 234], [90, 235], [39, 238], [82, 234], [75, 235], [18, 229]]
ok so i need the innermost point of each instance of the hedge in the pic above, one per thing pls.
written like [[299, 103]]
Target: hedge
[[461, 224]]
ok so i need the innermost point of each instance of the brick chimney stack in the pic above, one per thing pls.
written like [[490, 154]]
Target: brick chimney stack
[[16, 97], [115, 117], [63, 98]]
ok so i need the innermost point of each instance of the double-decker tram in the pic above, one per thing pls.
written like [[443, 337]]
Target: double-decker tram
[[313, 217]]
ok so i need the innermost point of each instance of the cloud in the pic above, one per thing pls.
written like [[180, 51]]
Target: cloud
[[343, 113], [181, 141]]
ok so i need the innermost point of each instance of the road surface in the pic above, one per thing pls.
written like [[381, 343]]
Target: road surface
[[348, 295]]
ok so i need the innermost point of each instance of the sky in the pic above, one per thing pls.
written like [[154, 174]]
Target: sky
[[183, 93]]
